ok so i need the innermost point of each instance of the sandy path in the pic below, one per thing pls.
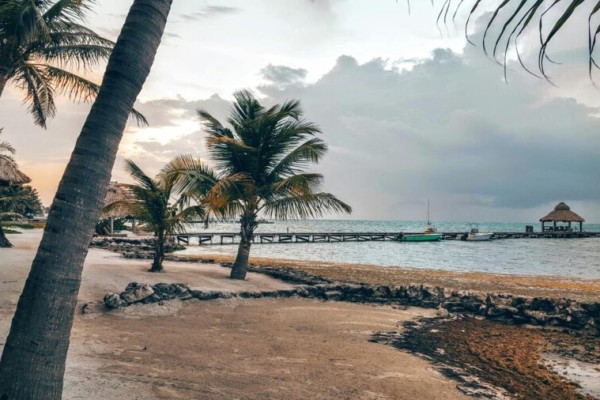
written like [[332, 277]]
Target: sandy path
[[238, 348]]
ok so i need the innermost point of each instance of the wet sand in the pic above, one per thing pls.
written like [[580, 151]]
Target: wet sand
[[237, 348]]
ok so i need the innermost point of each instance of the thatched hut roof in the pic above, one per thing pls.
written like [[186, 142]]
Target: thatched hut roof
[[562, 213], [117, 192], [10, 174]]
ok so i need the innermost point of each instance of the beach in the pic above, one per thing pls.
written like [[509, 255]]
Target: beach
[[261, 348], [236, 348]]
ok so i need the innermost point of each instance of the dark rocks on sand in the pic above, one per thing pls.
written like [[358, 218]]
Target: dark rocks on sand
[[564, 313]]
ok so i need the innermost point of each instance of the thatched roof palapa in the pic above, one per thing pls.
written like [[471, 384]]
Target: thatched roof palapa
[[562, 213], [10, 174], [117, 192]]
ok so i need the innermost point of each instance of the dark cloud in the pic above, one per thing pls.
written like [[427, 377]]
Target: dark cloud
[[282, 76], [209, 12], [451, 130]]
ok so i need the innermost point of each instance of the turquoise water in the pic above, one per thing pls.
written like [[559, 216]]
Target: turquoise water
[[559, 257]]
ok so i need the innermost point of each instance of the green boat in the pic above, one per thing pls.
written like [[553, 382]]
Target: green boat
[[429, 233], [419, 237]]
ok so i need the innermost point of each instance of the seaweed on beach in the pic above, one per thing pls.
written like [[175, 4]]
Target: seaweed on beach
[[477, 353]]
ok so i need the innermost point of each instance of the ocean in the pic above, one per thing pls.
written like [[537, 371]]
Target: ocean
[[558, 257]]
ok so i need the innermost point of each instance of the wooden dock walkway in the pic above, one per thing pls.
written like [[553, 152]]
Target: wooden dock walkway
[[225, 238]]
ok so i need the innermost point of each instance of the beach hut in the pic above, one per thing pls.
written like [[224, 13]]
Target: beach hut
[[10, 174], [561, 214], [117, 192]]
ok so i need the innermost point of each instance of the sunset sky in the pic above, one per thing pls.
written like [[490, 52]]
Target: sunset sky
[[409, 110]]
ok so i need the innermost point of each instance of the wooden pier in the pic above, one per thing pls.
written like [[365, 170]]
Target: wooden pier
[[228, 238]]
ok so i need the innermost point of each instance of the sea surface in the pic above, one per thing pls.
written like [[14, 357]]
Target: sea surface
[[559, 257]]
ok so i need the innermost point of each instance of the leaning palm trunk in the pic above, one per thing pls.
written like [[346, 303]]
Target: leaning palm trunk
[[240, 266], [3, 239], [3, 80], [33, 361]]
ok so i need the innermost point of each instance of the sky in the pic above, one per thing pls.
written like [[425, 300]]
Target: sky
[[410, 111]]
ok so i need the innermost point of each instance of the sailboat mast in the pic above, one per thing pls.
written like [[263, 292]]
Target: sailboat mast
[[428, 221]]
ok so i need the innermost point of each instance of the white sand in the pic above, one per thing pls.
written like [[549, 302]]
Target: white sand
[[239, 348]]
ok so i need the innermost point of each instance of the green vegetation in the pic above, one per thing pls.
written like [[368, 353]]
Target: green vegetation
[[153, 209], [260, 168]]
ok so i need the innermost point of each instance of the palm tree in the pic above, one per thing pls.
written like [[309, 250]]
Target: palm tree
[[512, 18], [260, 166], [151, 207], [33, 361], [21, 200], [39, 42], [16, 202], [9, 175]]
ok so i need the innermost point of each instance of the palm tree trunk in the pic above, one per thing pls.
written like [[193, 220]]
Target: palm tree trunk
[[3, 80], [3, 239], [33, 361], [240, 266], [159, 253]]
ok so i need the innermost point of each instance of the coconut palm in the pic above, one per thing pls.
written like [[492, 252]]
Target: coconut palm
[[21, 200], [9, 175], [151, 206], [510, 19], [260, 165], [33, 360], [40, 41], [17, 202]]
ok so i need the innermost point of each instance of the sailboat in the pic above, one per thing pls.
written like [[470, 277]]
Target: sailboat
[[429, 233]]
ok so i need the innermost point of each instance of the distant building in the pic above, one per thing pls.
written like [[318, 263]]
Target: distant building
[[561, 218]]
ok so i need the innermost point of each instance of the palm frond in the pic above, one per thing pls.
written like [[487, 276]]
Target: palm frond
[[143, 180], [308, 152], [67, 10], [306, 206], [190, 175], [514, 17], [297, 184], [79, 56], [40, 94]]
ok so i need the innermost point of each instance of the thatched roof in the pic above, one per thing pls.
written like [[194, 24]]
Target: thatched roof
[[117, 192], [562, 213], [10, 174]]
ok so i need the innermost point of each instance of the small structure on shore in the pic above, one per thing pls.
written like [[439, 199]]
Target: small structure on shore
[[562, 214], [10, 174], [117, 192]]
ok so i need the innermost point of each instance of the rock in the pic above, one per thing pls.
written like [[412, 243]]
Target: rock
[[112, 300], [537, 317], [137, 293], [200, 295], [500, 310], [541, 304]]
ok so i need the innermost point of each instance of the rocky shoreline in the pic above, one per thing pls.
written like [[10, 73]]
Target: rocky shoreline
[[136, 248], [515, 309], [561, 313]]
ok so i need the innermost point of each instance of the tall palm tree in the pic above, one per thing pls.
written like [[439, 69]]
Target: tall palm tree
[[40, 41], [260, 165], [33, 361], [151, 206]]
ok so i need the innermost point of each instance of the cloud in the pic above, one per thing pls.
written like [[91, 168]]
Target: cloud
[[449, 130], [282, 76], [209, 12]]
